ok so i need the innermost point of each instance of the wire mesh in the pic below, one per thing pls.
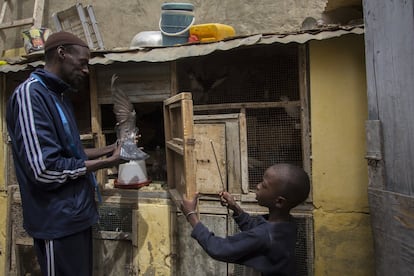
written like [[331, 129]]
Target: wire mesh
[[273, 131], [272, 137], [114, 217]]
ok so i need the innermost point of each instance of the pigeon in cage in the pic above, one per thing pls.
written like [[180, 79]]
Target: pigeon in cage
[[291, 110], [126, 129]]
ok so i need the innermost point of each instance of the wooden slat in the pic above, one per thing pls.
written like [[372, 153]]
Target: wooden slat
[[96, 124], [304, 116], [38, 13], [188, 134], [149, 98], [255, 105], [178, 141], [390, 84], [176, 197], [176, 148], [212, 163], [244, 165], [394, 231], [3, 10], [176, 98], [4, 134], [16, 23]]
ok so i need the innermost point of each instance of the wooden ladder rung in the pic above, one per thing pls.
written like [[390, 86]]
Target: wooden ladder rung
[[35, 20], [17, 23]]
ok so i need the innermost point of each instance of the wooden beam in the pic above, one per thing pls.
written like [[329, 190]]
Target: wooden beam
[[254, 105], [16, 23]]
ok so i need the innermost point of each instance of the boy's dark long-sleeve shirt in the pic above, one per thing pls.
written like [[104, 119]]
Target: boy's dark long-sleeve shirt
[[268, 247]]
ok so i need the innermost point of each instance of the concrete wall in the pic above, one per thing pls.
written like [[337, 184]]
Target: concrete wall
[[343, 239], [119, 21], [154, 254]]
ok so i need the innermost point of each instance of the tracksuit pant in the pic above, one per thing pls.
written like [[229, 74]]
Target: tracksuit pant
[[67, 256]]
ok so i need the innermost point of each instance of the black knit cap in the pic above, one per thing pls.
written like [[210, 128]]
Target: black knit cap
[[63, 38]]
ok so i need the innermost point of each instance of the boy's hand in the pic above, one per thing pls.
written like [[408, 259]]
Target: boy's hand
[[189, 208], [189, 205], [226, 199]]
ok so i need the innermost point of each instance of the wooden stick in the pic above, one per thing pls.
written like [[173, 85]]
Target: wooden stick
[[218, 167]]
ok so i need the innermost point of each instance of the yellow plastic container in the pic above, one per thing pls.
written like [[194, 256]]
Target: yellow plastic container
[[211, 32]]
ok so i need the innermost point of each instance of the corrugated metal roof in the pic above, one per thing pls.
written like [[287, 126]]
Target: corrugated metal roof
[[164, 54]]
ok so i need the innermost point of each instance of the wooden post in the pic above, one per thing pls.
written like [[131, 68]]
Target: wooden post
[[96, 125]]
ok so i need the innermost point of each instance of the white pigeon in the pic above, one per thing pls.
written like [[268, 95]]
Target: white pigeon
[[125, 124], [291, 110]]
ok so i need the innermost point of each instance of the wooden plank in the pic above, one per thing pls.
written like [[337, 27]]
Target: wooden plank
[[305, 114], [149, 98], [176, 196], [255, 105], [190, 256], [9, 233], [235, 148], [173, 146], [152, 84], [3, 10], [244, 164], [4, 134], [390, 67], [178, 141], [96, 124], [394, 231], [38, 13], [188, 134], [233, 156], [16, 23], [177, 98], [210, 172]]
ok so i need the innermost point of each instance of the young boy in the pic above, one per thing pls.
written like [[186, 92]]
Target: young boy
[[265, 244]]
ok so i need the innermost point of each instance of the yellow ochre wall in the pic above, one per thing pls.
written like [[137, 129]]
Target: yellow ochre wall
[[342, 232], [154, 253]]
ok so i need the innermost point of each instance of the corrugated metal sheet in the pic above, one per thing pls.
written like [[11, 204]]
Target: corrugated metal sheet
[[164, 54]]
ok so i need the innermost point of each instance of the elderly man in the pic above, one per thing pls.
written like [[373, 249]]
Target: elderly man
[[54, 171]]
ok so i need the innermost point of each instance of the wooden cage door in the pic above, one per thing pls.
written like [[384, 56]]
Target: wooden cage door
[[221, 153], [179, 145]]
